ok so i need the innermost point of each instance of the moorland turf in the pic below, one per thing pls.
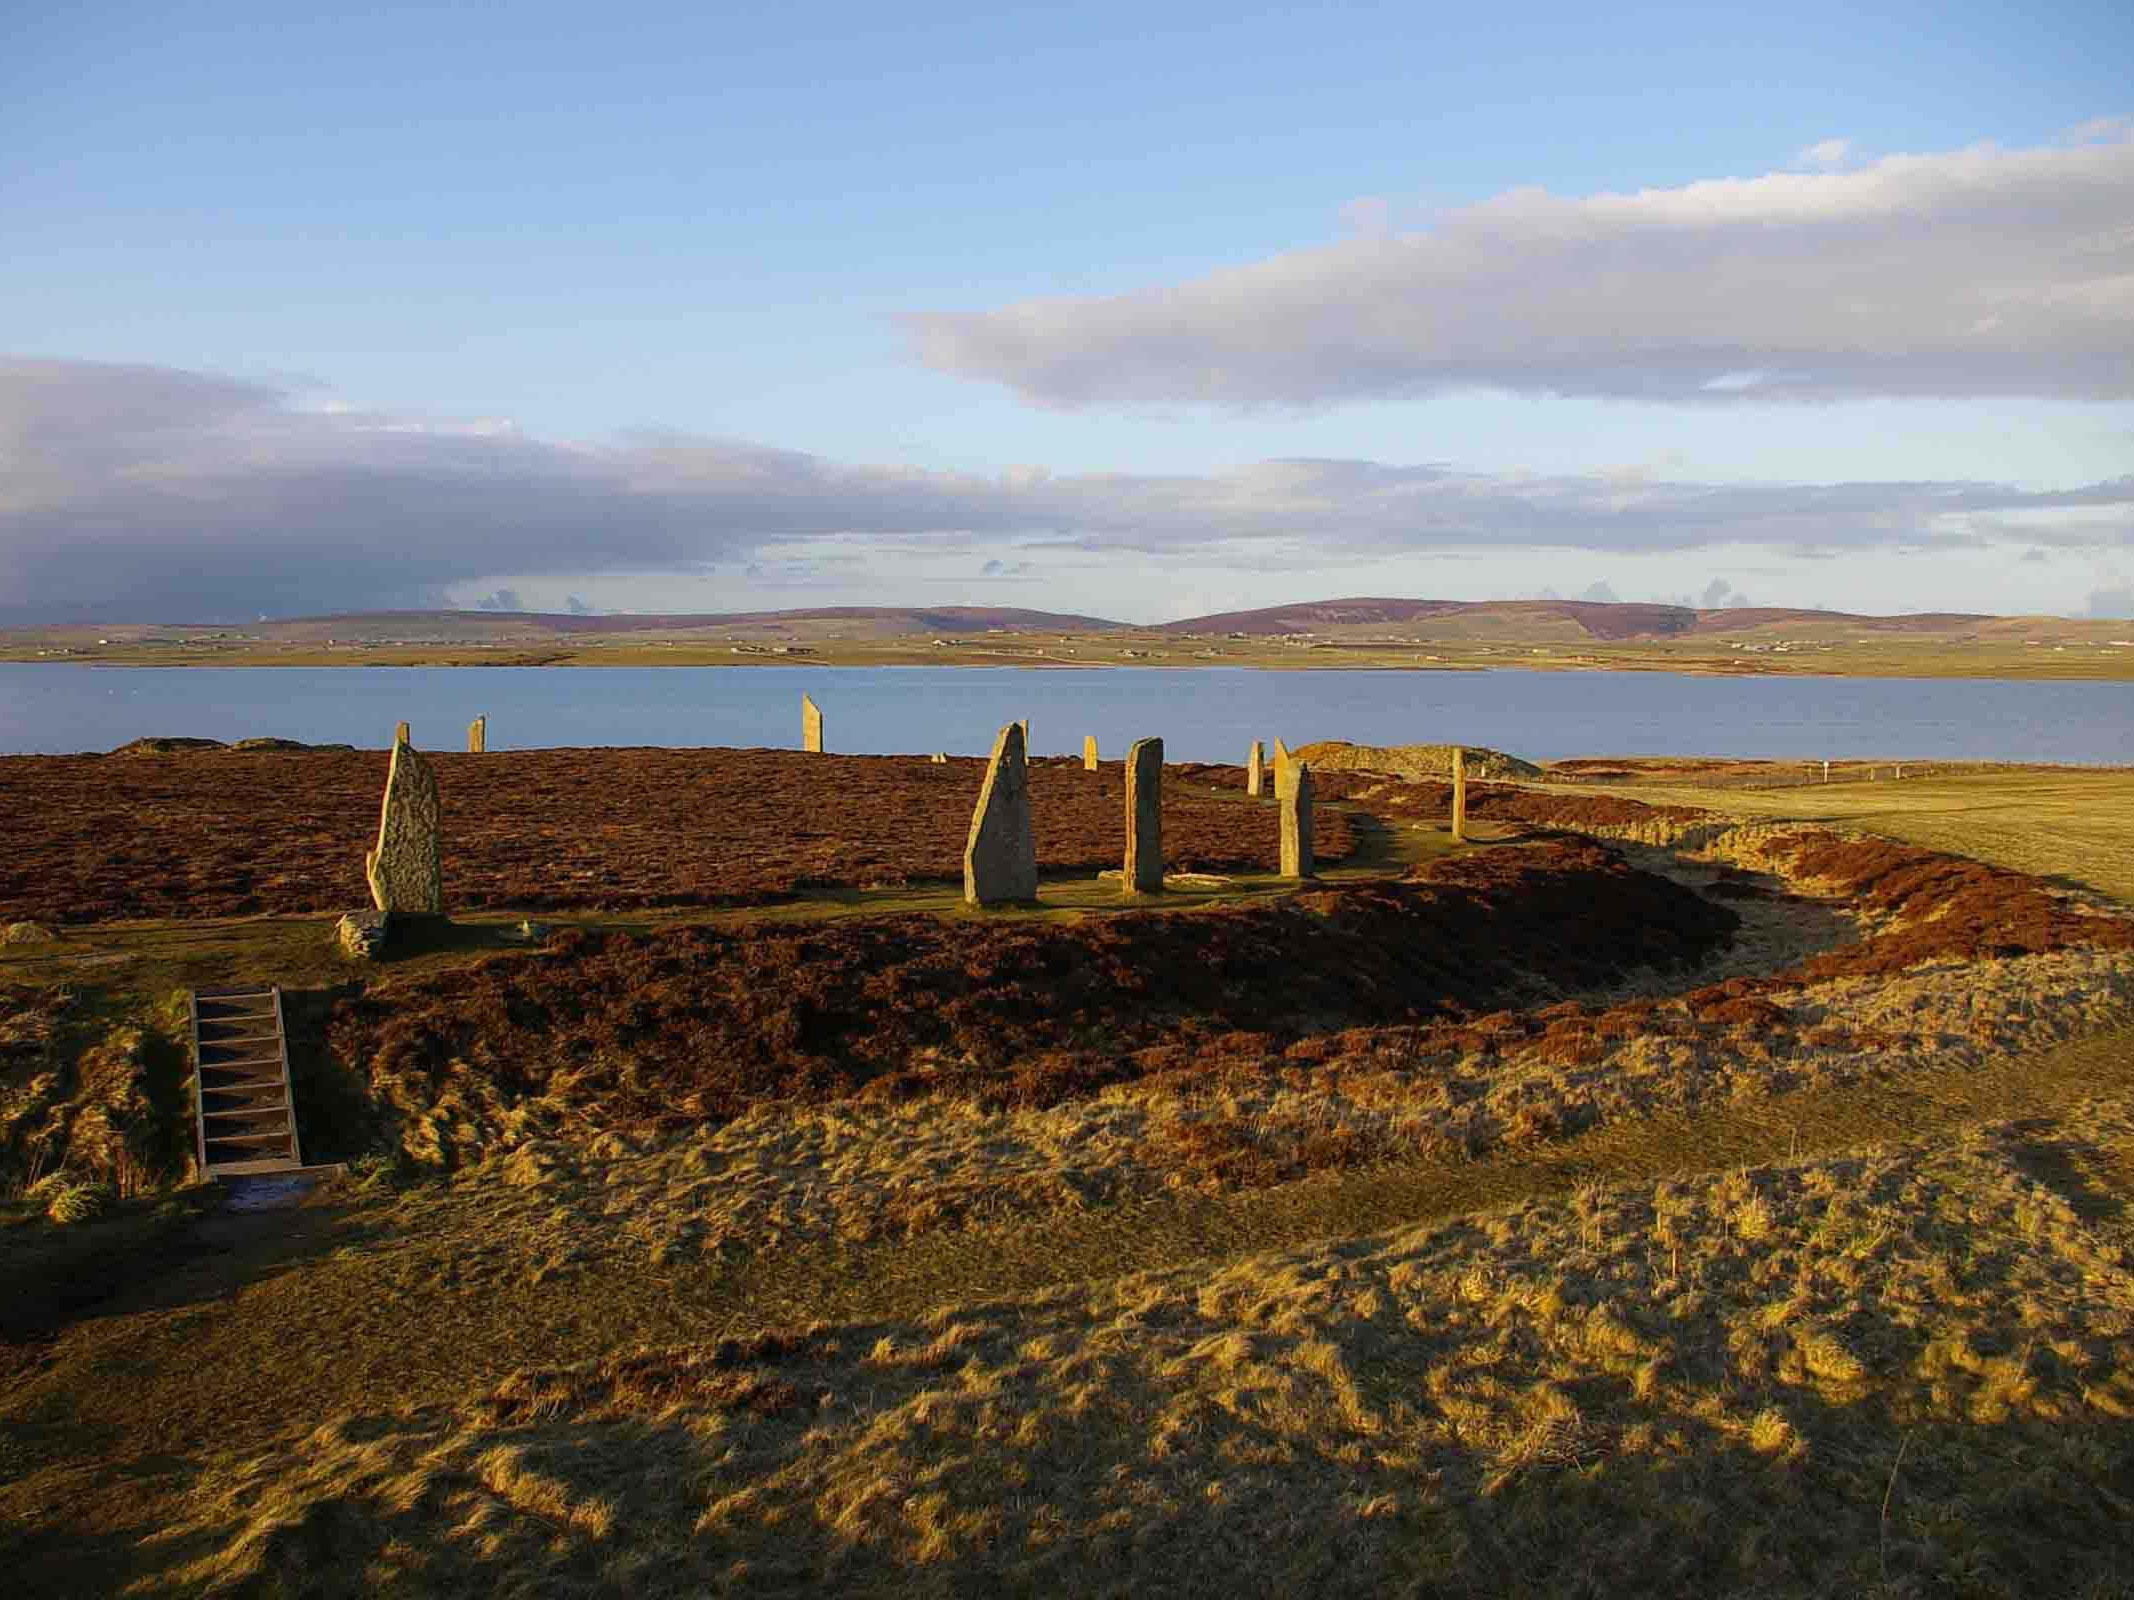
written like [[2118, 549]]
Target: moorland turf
[[678, 1026], [217, 833], [1898, 1370]]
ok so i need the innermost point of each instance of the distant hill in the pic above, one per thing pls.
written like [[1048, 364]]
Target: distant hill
[[1594, 619], [817, 622]]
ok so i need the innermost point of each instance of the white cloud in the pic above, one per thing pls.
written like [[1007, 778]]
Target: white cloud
[[1825, 153], [1971, 272], [152, 494]]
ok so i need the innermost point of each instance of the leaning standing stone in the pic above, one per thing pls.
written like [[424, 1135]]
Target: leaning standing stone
[[810, 725], [1089, 753], [1283, 766], [403, 871], [1144, 818], [477, 736], [1255, 768], [1297, 823], [1000, 857], [1459, 793]]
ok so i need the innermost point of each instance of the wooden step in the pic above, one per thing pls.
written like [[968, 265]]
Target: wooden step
[[244, 1112]]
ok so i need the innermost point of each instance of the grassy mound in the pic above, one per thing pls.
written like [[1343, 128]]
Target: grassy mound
[[1906, 1372], [1411, 760], [701, 1023]]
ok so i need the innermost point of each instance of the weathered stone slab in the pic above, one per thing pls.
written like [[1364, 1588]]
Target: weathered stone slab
[[1256, 768], [1000, 857], [403, 870], [1089, 753], [1283, 763], [361, 935], [1297, 823], [1459, 793], [1144, 818], [810, 725], [477, 736], [400, 733]]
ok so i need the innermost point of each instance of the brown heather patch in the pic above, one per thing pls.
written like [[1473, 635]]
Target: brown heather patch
[[1907, 1372], [685, 1025], [235, 833]]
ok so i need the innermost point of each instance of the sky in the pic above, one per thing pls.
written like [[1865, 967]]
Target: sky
[[1135, 311]]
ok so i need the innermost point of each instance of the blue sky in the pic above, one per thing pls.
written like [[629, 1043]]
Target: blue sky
[[393, 274]]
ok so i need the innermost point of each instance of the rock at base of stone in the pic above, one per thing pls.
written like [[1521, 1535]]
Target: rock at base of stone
[[1297, 823], [362, 935], [1000, 856], [1144, 818], [403, 870], [525, 931], [1255, 768], [1089, 753], [478, 736], [27, 933], [810, 725]]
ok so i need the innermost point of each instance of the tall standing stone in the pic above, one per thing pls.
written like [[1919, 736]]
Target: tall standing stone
[[400, 733], [1459, 793], [1297, 823], [403, 870], [1284, 764], [1089, 753], [1256, 768], [1000, 857], [810, 725], [1144, 818], [477, 736]]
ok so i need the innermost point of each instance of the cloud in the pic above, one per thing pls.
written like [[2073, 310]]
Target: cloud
[[500, 600], [139, 493], [2117, 601], [1974, 272], [577, 607], [1598, 591], [1824, 153]]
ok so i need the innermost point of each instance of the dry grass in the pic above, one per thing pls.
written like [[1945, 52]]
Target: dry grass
[[1692, 1388], [2064, 823]]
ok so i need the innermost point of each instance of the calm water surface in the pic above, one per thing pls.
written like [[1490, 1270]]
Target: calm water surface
[[1202, 714]]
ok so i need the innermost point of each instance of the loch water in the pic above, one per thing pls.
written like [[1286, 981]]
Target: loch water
[[1202, 714]]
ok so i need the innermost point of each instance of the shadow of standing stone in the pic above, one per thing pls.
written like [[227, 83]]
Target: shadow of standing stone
[[1000, 857], [1144, 818]]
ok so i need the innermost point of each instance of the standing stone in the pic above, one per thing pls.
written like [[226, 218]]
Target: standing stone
[[477, 736], [1000, 857], [810, 725], [1024, 724], [403, 871], [1297, 823], [1459, 793], [1256, 768], [1144, 818], [1283, 765], [939, 758], [1089, 753], [400, 734]]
